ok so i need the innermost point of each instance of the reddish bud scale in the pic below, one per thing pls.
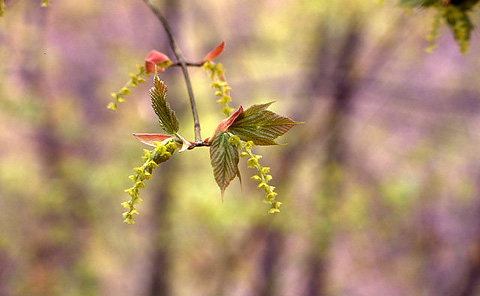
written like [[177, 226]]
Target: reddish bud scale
[[150, 139], [215, 52], [154, 58], [226, 123]]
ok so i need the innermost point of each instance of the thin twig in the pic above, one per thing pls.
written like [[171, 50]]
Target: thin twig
[[200, 144], [188, 64], [183, 64]]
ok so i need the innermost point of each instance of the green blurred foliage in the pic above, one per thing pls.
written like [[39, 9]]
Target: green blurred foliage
[[455, 13]]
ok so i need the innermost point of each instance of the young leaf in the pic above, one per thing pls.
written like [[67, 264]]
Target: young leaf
[[154, 58], [166, 116], [261, 126], [226, 123], [224, 158], [215, 52], [150, 139]]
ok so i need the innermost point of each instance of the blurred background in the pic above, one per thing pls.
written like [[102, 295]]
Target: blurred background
[[380, 187]]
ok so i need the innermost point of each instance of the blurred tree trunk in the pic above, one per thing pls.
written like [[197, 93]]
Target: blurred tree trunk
[[467, 285], [274, 238], [232, 252], [6, 267], [228, 256], [162, 237], [274, 241], [345, 85], [346, 82], [469, 282]]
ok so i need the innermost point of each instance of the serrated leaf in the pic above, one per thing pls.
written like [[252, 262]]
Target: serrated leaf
[[260, 125], [224, 158], [168, 120]]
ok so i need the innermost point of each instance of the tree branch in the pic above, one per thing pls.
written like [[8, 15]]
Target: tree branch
[[188, 64], [183, 64]]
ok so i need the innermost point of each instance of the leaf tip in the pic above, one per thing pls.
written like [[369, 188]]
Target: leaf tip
[[225, 124]]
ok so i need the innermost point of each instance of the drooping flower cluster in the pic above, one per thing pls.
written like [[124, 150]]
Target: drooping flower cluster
[[134, 81], [262, 176], [152, 158], [454, 13], [217, 74]]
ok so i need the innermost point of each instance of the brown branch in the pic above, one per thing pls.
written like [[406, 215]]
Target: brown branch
[[200, 144], [188, 64], [183, 64]]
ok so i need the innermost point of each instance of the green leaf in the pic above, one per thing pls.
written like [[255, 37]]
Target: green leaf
[[224, 158], [261, 126], [166, 116]]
